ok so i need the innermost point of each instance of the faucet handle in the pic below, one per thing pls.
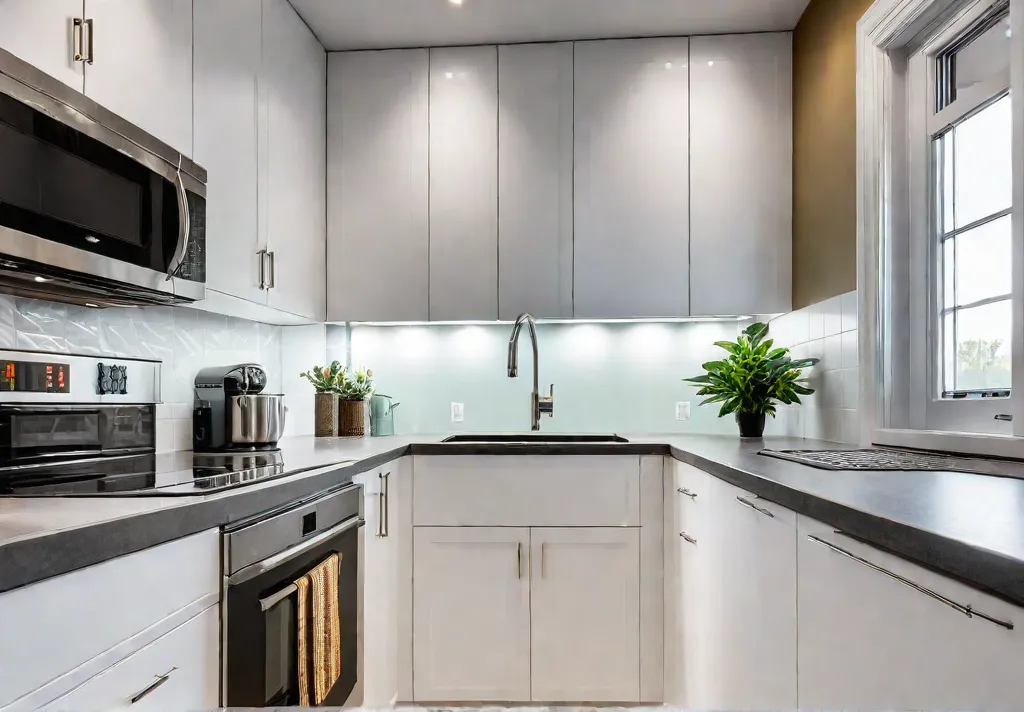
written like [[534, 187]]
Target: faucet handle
[[546, 404]]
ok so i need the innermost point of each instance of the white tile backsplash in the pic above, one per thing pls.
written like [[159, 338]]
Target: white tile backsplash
[[826, 331]]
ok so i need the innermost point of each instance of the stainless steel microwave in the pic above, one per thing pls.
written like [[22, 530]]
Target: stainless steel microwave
[[93, 210]]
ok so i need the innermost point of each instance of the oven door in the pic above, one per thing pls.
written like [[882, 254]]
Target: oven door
[[259, 619]]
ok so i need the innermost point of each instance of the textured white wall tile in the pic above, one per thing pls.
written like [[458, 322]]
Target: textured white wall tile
[[301, 348], [832, 356], [82, 330], [832, 315], [165, 435], [40, 326], [850, 349], [849, 309], [270, 355], [8, 334], [851, 388], [850, 426], [815, 321], [800, 326], [118, 334]]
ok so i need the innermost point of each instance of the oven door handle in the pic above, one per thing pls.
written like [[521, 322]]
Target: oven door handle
[[261, 567], [184, 225]]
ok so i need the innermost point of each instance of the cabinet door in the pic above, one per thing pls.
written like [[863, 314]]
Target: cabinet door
[[750, 606], [40, 33], [535, 180], [741, 172], [142, 65], [585, 609], [189, 657], [463, 183], [471, 613], [227, 66], [377, 172], [868, 641], [295, 71], [631, 207]]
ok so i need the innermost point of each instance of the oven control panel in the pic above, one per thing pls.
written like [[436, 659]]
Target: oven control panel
[[35, 377]]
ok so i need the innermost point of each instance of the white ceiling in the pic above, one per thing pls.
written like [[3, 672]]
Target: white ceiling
[[381, 24]]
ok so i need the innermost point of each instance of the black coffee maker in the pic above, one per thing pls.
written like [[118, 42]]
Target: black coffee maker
[[231, 413]]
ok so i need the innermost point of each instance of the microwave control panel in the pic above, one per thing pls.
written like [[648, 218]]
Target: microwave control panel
[[35, 377]]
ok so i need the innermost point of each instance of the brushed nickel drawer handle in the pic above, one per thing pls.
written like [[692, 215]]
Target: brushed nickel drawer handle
[[688, 538], [966, 610], [76, 40], [688, 493], [519, 560], [161, 679], [747, 503]]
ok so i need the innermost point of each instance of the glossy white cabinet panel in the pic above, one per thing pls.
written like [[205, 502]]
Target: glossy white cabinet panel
[[41, 34], [585, 614], [741, 173], [868, 641], [463, 183], [188, 655], [142, 65], [295, 73], [226, 84], [378, 225], [471, 608], [631, 209], [535, 135]]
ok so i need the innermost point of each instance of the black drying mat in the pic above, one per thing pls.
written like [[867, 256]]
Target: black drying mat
[[897, 460]]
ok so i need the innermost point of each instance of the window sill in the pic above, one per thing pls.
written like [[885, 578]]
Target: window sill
[[984, 444]]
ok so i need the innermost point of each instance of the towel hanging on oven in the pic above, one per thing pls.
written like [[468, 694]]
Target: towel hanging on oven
[[319, 631]]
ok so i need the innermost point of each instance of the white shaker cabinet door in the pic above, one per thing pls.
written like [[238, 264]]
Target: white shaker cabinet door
[[471, 614], [741, 173], [41, 33], [535, 180], [295, 72], [869, 641], [585, 609], [227, 66], [142, 65], [750, 628], [377, 173], [463, 183], [631, 208]]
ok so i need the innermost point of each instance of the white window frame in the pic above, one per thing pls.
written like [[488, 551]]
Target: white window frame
[[896, 393]]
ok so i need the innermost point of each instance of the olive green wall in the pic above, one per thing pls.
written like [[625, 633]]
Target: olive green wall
[[824, 150]]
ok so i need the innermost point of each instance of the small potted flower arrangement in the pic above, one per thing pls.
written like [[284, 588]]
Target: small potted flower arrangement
[[325, 402], [352, 391]]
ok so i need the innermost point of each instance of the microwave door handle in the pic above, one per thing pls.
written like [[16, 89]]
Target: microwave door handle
[[184, 226]]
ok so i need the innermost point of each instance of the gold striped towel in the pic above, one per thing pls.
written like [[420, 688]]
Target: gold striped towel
[[319, 631]]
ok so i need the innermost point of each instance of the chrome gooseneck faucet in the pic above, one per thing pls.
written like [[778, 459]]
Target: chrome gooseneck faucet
[[538, 403]]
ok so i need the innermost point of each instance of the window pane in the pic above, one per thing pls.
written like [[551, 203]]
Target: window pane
[[982, 154], [948, 271], [983, 346], [944, 186], [948, 353], [985, 57], [983, 262]]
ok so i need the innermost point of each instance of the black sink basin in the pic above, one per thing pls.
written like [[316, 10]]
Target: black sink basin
[[539, 438]]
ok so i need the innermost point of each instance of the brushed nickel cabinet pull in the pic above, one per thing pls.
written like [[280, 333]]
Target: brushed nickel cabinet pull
[[262, 255], [688, 493], [519, 560], [160, 679], [965, 609], [273, 270], [91, 56], [78, 49], [386, 514], [747, 503], [688, 538]]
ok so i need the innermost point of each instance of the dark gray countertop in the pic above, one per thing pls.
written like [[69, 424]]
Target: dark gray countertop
[[964, 525]]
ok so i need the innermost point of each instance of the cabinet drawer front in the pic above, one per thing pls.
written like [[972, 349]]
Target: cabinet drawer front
[[177, 671], [527, 491], [53, 626]]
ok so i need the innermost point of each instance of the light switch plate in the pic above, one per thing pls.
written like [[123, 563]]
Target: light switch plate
[[682, 410], [458, 412]]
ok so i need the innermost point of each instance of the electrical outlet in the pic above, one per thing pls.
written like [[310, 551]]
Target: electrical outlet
[[682, 410], [458, 412]]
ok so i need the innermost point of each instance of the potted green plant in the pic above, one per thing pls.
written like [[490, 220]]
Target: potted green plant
[[352, 390], [325, 402], [752, 379]]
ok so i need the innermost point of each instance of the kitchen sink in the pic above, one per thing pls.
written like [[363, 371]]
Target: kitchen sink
[[538, 438]]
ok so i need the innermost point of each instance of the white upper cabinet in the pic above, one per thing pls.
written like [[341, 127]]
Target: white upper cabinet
[[41, 34], [226, 75], [585, 614], [870, 641], [741, 173], [141, 65], [535, 180], [295, 72], [377, 173], [631, 207], [463, 183]]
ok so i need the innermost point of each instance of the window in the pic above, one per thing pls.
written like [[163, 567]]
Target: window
[[972, 184]]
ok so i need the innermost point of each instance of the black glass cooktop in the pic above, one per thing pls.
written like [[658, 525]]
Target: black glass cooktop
[[138, 475]]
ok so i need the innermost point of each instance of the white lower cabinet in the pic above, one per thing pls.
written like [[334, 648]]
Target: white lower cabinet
[[870, 641], [180, 670], [585, 614], [471, 613]]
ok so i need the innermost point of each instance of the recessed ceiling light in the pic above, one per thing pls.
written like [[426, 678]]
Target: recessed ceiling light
[[711, 63], [42, 279], [448, 75], [668, 65], [455, 2]]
